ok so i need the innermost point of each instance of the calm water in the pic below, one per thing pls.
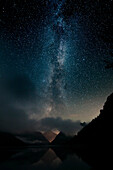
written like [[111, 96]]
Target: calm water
[[41, 159]]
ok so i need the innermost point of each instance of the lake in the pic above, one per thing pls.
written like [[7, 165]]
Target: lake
[[41, 159]]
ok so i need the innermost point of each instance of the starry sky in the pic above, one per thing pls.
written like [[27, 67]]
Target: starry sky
[[52, 69]]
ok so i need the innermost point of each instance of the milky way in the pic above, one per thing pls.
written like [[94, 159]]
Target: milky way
[[52, 56], [56, 86]]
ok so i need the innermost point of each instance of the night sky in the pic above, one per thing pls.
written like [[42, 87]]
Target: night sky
[[52, 69]]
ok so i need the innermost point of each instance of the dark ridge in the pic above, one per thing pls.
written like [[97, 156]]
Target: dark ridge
[[61, 139], [9, 140], [99, 130]]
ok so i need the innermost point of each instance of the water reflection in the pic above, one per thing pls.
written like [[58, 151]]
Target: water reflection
[[49, 159], [42, 159]]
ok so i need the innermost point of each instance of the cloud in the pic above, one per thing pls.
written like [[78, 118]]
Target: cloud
[[67, 126], [13, 119], [17, 99], [19, 86]]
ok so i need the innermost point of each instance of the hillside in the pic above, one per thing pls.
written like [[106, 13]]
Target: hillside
[[99, 130], [61, 139], [9, 140]]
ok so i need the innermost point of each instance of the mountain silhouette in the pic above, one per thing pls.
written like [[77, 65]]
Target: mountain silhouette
[[98, 131], [33, 138], [93, 142], [61, 139], [9, 140]]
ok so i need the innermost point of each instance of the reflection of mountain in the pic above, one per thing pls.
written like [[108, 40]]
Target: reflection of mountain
[[49, 158], [50, 136], [61, 139], [33, 138], [7, 139], [95, 138]]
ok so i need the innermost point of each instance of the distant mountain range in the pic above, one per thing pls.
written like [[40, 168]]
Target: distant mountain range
[[33, 138], [28, 138]]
